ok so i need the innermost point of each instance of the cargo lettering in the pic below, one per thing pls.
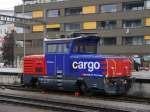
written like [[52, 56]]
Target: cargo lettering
[[86, 65]]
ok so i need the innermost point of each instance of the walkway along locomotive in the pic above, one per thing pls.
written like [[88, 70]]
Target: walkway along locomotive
[[73, 64]]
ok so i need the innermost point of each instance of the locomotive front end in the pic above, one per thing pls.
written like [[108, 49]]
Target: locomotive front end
[[118, 75], [98, 73]]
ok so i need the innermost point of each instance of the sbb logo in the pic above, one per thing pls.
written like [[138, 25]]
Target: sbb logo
[[86, 65]]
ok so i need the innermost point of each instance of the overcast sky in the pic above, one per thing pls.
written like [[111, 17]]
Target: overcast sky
[[9, 4]]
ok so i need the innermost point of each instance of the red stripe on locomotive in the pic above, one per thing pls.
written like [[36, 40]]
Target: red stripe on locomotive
[[35, 65]]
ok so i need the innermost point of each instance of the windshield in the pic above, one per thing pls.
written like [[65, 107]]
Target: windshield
[[85, 48], [58, 48]]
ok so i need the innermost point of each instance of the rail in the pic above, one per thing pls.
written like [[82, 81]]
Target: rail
[[121, 98], [53, 105]]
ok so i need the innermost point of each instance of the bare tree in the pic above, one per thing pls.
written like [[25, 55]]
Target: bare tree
[[8, 49]]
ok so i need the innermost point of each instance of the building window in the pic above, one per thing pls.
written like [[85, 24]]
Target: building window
[[73, 11], [108, 8], [106, 24], [135, 6], [19, 30], [27, 15], [53, 13], [132, 23], [22, 30], [38, 43], [147, 4], [139, 40], [108, 41], [147, 40], [28, 43], [19, 44], [72, 27]]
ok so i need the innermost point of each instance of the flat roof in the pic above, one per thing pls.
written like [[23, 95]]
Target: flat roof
[[70, 39]]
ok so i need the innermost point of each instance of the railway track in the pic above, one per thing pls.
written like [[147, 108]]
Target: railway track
[[121, 98], [19, 87], [53, 105], [58, 105]]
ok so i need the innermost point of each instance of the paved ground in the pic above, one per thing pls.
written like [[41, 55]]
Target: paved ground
[[141, 74], [140, 89], [137, 89], [17, 108], [87, 101]]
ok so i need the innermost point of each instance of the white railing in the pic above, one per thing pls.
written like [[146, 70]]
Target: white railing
[[8, 79], [11, 70], [42, 1]]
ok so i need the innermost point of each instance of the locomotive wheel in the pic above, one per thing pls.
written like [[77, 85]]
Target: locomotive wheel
[[84, 89], [33, 83], [38, 85]]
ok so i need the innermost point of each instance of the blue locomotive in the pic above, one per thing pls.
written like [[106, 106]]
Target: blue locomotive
[[73, 64]]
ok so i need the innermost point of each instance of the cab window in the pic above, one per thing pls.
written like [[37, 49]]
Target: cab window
[[63, 48], [51, 48], [58, 48], [85, 48]]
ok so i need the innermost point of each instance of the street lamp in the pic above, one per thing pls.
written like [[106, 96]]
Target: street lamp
[[45, 31], [24, 34]]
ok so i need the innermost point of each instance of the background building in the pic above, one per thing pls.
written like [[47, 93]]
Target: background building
[[5, 27], [123, 25]]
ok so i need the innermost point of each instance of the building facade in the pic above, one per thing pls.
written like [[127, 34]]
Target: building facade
[[123, 25]]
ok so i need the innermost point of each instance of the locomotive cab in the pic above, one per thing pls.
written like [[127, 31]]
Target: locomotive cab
[[79, 45], [58, 61]]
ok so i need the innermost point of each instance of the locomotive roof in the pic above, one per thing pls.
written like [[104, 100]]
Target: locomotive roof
[[82, 37]]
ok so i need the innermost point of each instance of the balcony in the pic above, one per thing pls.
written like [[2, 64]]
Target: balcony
[[39, 35], [128, 50], [29, 50], [133, 6]]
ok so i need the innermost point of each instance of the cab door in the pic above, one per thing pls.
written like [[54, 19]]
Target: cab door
[[61, 63], [50, 56], [59, 57], [51, 60], [56, 63]]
